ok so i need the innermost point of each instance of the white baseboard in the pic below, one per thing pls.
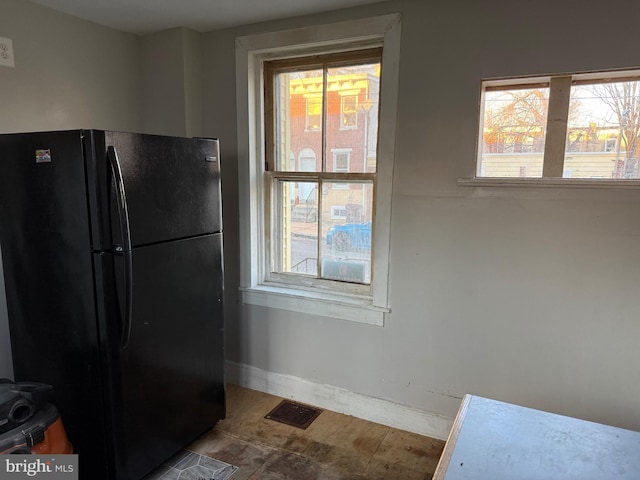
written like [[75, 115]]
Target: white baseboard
[[340, 400]]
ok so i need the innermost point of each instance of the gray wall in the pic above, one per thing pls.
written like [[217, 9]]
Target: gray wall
[[524, 295], [172, 78], [69, 73]]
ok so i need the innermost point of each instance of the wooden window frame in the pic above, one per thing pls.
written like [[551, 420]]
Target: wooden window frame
[[555, 151], [273, 174], [252, 51]]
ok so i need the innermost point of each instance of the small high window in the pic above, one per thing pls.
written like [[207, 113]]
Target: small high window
[[572, 126]]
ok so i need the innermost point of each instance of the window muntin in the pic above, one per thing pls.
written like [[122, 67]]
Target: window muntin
[[600, 138], [308, 243]]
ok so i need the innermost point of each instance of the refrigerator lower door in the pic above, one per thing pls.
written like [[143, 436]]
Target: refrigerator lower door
[[171, 386]]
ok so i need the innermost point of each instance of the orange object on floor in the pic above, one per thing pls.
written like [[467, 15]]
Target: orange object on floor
[[43, 433], [55, 440]]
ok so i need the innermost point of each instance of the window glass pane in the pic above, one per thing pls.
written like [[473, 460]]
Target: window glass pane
[[513, 132], [353, 96], [603, 129], [298, 120], [295, 243], [346, 231]]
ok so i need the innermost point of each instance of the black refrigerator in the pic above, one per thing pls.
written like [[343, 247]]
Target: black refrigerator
[[112, 254]]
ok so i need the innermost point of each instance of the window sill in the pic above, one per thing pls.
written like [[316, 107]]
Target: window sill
[[345, 307], [548, 182]]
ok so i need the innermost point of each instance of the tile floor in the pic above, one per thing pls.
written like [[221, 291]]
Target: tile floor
[[333, 447], [188, 465]]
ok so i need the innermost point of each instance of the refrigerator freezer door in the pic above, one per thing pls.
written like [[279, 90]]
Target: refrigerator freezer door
[[172, 185], [172, 387]]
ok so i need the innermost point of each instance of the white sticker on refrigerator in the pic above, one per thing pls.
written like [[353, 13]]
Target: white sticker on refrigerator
[[43, 156]]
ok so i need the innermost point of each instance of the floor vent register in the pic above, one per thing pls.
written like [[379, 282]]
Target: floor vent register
[[294, 414]]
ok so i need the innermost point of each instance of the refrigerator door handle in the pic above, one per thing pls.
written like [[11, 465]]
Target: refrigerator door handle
[[124, 248]]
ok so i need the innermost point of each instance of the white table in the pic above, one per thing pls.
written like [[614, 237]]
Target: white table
[[493, 440]]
